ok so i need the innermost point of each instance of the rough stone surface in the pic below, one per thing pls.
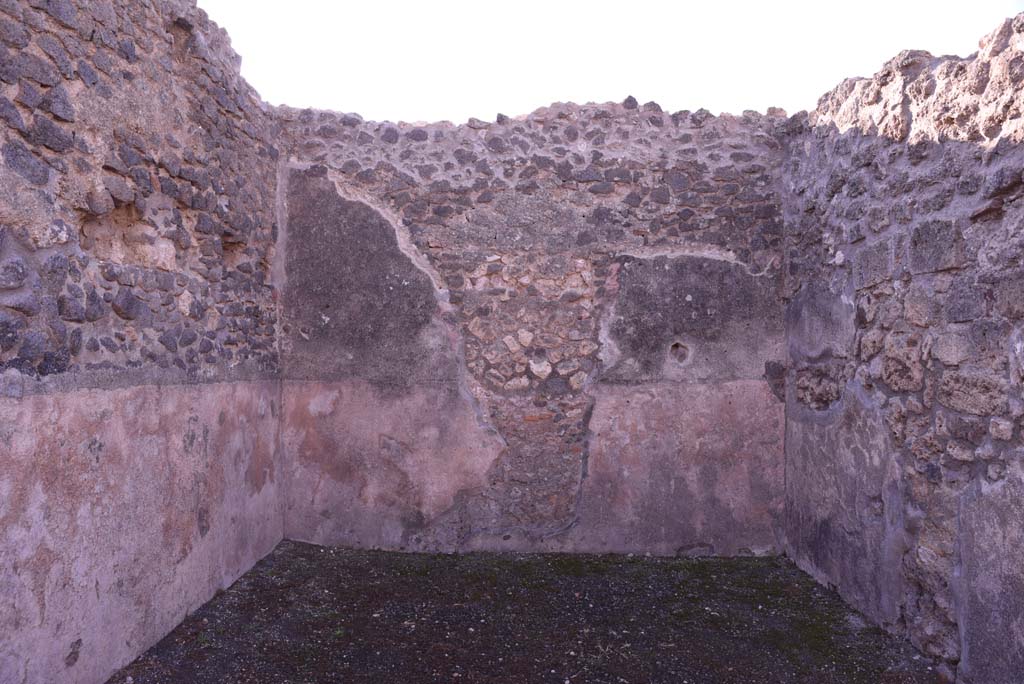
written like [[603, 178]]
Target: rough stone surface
[[137, 187], [185, 149], [991, 546], [902, 197]]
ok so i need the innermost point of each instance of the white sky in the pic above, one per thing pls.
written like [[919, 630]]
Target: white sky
[[428, 60]]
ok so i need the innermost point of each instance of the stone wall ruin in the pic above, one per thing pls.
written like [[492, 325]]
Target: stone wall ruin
[[598, 328]]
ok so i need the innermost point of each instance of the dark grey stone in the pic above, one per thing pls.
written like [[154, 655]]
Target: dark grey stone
[[35, 69], [13, 34], [873, 264], [29, 95], [10, 115], [10, 327], [1002, 182], [25, 163], [677, 180], [33, 344], [54, 273], [8, 68], [13, 273], [55, 51], [95, 308], [126, 48], [935, 246], [119, 190], [61, 10], [70, 309], [130, 156], [127, 305], [54, 362], [103, 61], [59, 104], [87, 73], [591, 174], [142, 180], [169, 340], [27, 303], [48, 134], [99, 202]]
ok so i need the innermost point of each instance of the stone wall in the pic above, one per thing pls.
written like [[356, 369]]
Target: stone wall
[[549, 332], [139, 401], [904, 271], [137, 194]]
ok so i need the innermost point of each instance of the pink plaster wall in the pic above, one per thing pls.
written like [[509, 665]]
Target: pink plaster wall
[[122, 510]]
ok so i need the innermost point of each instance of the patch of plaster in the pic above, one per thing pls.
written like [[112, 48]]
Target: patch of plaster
[[405, 244], [323, 403]]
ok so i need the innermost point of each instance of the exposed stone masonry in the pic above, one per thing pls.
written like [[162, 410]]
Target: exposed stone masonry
[[529, 225], [136, 222], [137, 178], [590, 328], [904, 244]]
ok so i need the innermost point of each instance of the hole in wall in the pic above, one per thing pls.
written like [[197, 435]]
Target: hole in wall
[[679, 352]]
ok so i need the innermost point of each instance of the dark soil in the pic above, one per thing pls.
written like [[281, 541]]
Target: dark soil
[[312, 614]]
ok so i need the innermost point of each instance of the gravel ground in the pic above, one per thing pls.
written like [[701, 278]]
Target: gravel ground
[[313, 614]]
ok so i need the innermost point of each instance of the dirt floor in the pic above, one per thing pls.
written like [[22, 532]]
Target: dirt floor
[[312, 614]]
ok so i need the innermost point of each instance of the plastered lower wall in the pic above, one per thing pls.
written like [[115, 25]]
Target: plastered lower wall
[[124, 509], [140, 460]]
